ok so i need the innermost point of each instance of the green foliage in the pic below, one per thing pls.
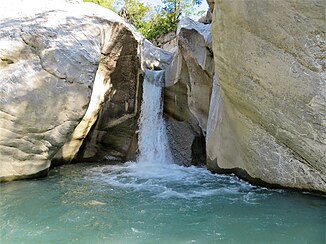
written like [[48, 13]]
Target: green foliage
[[153, 23], [148, 22], [174, 9], [135, 12], [104, 3], [166, 18], [158, 25]]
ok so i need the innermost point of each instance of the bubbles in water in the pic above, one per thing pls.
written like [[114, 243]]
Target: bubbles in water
[[173, 181]]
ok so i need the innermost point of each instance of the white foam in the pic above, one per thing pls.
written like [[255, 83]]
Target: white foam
[[173, 181]]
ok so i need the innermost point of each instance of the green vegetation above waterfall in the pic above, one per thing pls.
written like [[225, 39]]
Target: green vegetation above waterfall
[[104, 3], [151, 22]]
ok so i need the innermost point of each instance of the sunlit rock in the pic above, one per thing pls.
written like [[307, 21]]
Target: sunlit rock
[[268, 109], [153, 57], [167, 42]]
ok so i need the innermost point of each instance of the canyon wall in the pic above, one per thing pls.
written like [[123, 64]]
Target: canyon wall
[[260, 103], [267, 119]]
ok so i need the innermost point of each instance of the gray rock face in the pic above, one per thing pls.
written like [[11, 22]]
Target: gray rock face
[[167, 42], [60, 71], [154, 58], [113, 136], [268, 109], [187, 95], [263, 111], [187, 145]]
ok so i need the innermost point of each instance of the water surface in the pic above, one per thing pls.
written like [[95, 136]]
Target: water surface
[[135, 203]]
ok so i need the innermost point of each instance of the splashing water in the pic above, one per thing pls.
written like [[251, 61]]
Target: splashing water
[[153, 143], [154, 171]]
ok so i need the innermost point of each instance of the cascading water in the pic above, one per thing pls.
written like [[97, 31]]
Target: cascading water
[[152, 138]]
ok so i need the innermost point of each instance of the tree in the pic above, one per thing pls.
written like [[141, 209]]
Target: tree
[[158, 25], [174, 9]]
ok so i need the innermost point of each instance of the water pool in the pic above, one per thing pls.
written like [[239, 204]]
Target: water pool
[[96, 203]]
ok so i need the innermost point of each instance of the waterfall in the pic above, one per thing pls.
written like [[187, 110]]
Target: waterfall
[[152, 139]]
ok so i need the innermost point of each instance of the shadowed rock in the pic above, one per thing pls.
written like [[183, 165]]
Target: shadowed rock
[[187, 95]]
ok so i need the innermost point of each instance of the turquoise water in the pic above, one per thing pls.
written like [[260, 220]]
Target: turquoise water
[[89, 203]]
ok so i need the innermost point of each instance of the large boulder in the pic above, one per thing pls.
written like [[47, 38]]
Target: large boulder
[[267, 119], [68, 72], [47, 73]]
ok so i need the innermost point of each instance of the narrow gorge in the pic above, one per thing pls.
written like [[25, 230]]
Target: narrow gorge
[[106, 137]]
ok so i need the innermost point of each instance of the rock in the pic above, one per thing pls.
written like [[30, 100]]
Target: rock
[[194, 64], [61, 70], [167, 42], [115, 100], [114, 143], [154, 58], [187, 95], [38, 99], [268, 108], [95, 203], [187, 146], [27, 8]]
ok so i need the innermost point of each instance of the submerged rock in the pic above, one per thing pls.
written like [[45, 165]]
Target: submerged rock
[[95, 203], [268, 108]]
